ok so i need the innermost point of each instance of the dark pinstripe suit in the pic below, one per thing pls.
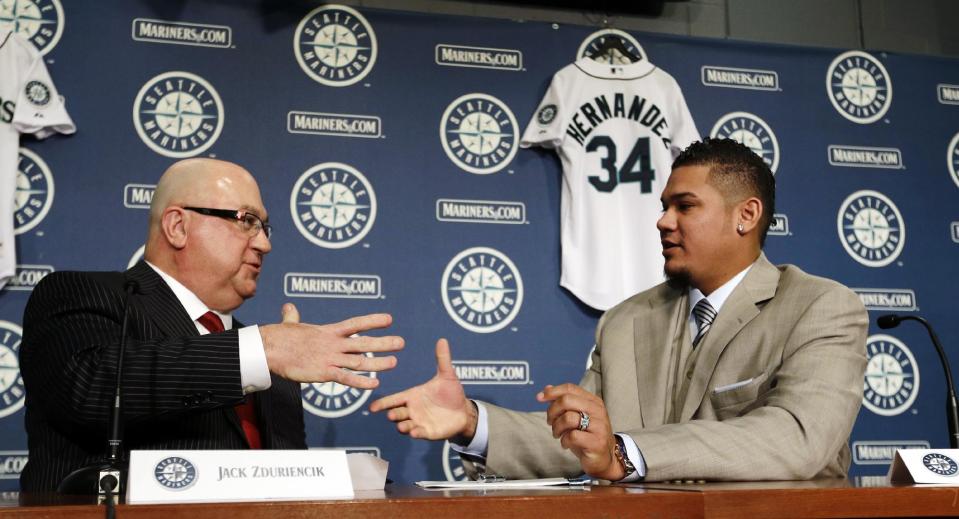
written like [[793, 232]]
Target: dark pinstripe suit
[[179, 387]]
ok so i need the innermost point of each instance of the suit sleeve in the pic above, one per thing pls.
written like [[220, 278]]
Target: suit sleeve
[[521, 445], [793, 431], [72, 327]]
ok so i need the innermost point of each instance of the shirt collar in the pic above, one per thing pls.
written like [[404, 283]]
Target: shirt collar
[[191, 303], [719, 296]]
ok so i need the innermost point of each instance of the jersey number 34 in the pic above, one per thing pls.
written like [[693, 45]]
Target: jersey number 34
[[636, 167]]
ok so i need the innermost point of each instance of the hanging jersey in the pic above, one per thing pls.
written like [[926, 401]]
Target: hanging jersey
[[617, 129], [29, 103]]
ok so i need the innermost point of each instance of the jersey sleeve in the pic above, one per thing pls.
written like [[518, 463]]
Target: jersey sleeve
[[40, 109], [684, 132], [545, 129]]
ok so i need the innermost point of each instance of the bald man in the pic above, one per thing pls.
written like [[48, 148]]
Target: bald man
[[193, 377]]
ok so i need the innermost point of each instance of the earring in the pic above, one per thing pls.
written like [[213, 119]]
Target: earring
[[740, 228]]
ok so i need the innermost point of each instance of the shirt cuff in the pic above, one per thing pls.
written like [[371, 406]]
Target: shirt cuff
[[480, 443], [635, 457], [254, 372]]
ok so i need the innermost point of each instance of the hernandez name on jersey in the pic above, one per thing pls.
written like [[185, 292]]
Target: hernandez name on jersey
[[617, 129], [28, 104]]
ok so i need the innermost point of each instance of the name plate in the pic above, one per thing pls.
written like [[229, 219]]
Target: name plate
[[929, 466], [241, 475]]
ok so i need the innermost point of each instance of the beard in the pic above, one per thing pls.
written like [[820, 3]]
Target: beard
[[679, 277]]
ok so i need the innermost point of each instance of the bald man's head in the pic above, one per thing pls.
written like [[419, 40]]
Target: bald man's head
[[215, 256]]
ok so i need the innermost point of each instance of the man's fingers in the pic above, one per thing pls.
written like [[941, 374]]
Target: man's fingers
[[444, 359], [290, 313], [568, 402], [389, 402], [405, 426], [569, 421], [374, 344], [348, 378], [364, 363], [553, 392], [398, 414], [362, 323]]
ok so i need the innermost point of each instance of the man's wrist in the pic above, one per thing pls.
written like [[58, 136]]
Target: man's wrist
[[469, 431]]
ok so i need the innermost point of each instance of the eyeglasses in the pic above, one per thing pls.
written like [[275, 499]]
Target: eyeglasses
[[251, 223]]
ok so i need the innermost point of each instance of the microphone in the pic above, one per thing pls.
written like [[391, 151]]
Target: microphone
[[106, 476], [952, 410]]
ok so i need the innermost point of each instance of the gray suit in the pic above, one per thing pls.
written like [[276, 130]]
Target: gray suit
[[799, 341]]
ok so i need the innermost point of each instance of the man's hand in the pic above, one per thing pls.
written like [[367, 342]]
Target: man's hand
[[436, 410], [595, 446], [324, 353]]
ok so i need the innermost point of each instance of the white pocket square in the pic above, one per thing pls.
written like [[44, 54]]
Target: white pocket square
[[734, 385]]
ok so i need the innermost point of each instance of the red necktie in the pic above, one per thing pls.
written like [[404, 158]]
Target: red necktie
[[246, 411]]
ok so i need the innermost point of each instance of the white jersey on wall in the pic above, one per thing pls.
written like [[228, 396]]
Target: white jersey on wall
[[29, 103], [617, 129]]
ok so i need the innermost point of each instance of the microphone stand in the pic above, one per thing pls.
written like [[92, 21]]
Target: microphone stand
[[952, 410], [104, 478]]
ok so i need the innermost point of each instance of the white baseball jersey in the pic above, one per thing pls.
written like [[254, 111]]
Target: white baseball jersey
[[29, 103], [617, 129]]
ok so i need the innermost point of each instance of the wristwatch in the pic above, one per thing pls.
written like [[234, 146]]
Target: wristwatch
[[622, 458]]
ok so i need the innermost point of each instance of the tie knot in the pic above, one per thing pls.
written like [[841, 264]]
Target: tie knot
[[704, 313], [211, 322]]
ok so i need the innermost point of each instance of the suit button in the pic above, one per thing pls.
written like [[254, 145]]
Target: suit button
[[689, 375]]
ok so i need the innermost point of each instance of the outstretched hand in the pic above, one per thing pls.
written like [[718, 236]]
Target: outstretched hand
[[435, 410], [323, 353]]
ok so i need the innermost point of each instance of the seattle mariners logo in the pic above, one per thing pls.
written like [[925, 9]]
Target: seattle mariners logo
[[40, 21], [175, 473], [859, 87], [335, 45], [546, 114], [34, 194], [333, 400], [333, 205], [871, 228], [952, 158], [594, 41], [892, 376], [479, 133], [453, 464], [752, 132], [178, 114], [38, 93], [940, 464], [482, 289], [12, 393]]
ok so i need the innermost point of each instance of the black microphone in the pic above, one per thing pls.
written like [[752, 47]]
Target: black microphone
[[952, 410], [105, 477]]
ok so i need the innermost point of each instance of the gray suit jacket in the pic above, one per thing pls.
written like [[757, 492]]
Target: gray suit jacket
[[799, 341]]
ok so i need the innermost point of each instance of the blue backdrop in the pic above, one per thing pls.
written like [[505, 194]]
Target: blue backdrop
[[340, 114]]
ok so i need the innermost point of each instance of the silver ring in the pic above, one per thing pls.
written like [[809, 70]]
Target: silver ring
[[583, 421]]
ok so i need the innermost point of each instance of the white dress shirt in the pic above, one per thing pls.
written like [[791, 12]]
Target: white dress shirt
[[479, 446], [254, 372]]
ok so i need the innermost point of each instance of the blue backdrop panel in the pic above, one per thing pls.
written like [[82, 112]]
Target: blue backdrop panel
[[344, 134]]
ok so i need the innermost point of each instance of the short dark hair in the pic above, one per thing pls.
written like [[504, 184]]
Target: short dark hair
[[737, 172]]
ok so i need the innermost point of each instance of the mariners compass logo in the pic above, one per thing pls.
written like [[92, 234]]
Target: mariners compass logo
[[12, 393], [479, 133], [39, 21], [335, 45], [751, 131], [333, 205], [595, 41], [892, 376], [34, 193], [332, 399], [940, 464], [178, 114], [482, 290], [175, 473], [952, 159], [871, 228], [859, 87]]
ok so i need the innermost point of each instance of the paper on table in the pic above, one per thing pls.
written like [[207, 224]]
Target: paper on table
[[489, 485]]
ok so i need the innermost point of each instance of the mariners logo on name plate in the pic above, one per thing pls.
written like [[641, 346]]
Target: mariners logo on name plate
[[859, 87], [453, 464], [871, 228], [892, 376], [753, 132], [12, 393], [332, 399], [594, 41], [175, 473], [952, 158], [40, 21], [940, 464], [34, 192], [479, 133], [333, 205], [482, 290], [178, 114], [335, 45]]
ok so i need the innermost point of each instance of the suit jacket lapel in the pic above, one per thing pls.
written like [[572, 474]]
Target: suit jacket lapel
[[653, 336], [742, 306]]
